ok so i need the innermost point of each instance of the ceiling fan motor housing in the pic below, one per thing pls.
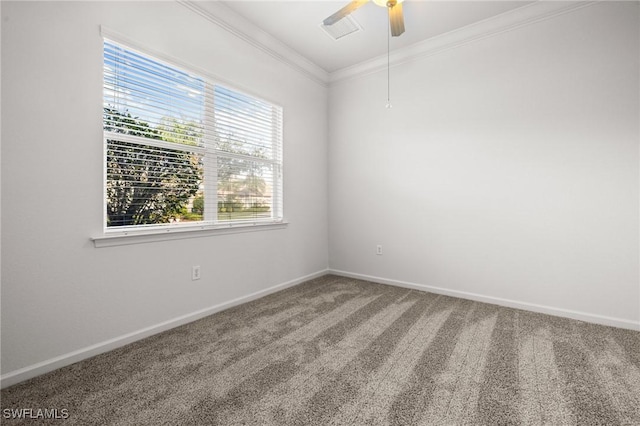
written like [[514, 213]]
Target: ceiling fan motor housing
[[387, 3], [396, 19]]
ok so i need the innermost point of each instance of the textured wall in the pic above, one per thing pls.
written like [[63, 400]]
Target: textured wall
[[506, 169], [59, 293]]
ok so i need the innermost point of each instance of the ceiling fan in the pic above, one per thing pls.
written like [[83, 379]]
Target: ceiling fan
[[396, 20]]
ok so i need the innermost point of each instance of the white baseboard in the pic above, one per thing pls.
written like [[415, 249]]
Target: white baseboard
[[34, 370], [43, 367], [559, 312]]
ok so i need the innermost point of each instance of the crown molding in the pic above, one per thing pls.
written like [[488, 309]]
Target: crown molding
[[504, 22], [225, 18]]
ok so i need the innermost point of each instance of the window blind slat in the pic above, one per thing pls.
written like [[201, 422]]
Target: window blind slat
[[181, 148]]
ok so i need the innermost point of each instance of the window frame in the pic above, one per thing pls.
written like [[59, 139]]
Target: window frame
[[211, 224]]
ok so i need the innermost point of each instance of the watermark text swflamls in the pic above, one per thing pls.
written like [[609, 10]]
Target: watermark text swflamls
[[36, 413]]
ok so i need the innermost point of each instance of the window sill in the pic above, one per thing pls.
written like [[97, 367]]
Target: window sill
[[121, 238]]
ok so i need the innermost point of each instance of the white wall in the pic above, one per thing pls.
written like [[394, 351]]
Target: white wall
[[507, 169], [59, 293]]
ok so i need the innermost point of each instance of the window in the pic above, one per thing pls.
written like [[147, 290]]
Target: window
[[181, 150]]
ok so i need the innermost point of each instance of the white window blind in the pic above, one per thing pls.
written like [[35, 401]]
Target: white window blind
[[181, 149]]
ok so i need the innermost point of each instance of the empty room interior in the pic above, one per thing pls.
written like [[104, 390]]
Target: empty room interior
[[320, 212]]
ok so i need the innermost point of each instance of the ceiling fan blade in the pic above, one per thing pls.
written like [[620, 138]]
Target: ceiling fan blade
[[348, 9], [396, 19]]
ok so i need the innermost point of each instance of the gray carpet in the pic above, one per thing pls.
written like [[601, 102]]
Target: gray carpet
[[346, 352]]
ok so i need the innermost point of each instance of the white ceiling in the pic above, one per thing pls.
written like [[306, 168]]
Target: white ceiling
[[297, 25]]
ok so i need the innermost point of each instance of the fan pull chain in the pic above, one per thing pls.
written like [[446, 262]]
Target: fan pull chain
[[389, 106]]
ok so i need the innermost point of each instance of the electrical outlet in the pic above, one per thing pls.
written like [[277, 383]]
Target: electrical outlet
[[195, 273], [379, 250]]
